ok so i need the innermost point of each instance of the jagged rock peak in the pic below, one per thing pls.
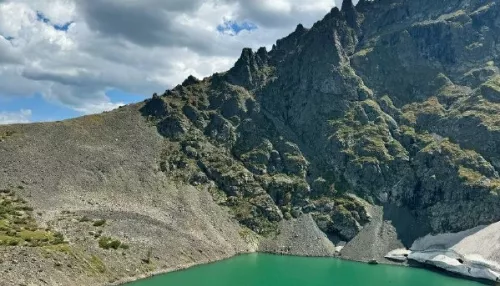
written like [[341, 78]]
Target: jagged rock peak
[[334, 19], [246, 53], [334, 13], [190, 80], [262, 56], [350, 14], [155, 106], [364, 2], [290, 41], [249, 58], [298, 32], [245, 68], [347, 5], [363, 5], [333, 16], [262, 51], [300, 29]]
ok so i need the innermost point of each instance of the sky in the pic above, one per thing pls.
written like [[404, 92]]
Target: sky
[[66, 58]]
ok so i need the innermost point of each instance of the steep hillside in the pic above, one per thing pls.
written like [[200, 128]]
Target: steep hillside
[[398, 109], [96, 180], [377, 126]]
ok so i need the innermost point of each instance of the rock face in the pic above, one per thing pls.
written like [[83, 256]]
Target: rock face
[[386, 105], [398, 109]]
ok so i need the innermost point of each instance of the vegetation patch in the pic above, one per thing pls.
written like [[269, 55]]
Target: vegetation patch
[[422, 113], [97, 264], [6, 134], [111, 243], [364, 52], [99, 222], [364, 134], [245, 233], [474, 178], [18, 227]]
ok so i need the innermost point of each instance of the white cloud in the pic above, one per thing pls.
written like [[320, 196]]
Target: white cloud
[[23, 116], [58, 11], [91, 108], [136, 46], [283, 14]]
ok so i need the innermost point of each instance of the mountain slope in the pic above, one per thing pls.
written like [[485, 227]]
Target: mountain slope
[[330, 111], [103, 167], [378, 124]]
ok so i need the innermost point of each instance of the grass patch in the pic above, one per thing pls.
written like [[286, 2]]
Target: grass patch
[[245, 233], [18, 227], [96, 264], [64, 248], [6, 134], [106, 242], [29, 235], [7, 240], [474, 178], [414, 111]]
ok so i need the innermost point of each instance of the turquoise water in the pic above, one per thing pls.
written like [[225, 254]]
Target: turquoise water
[[272, 270]]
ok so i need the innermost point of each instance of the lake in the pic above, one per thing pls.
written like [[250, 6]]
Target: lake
[[273, 270]]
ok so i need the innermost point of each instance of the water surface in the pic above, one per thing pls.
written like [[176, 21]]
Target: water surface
[[272, 270]]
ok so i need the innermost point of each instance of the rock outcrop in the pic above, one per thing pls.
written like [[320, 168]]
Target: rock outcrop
[[398, 109]]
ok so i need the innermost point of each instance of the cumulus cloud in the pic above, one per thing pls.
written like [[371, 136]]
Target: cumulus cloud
[[22, 116], [282, 13], [72, 51]]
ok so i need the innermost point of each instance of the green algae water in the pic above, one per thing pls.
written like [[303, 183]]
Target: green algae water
[[273, 270]]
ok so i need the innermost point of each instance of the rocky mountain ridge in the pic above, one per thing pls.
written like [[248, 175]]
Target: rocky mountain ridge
[[394, 101]]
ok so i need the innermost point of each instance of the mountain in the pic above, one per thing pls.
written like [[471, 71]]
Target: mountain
[[376, 126]]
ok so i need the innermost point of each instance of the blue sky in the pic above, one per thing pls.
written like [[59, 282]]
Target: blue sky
[[41, 109], [44, 110], [234, 28], [60, 27], [66, 58]]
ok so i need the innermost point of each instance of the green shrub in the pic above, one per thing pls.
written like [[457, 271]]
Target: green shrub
[[99, 222], [58, 238], [13, 242], [108, 242], [124, 246]]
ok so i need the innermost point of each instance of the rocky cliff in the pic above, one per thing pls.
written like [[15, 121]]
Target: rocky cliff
[[394, 101], [381, 117]]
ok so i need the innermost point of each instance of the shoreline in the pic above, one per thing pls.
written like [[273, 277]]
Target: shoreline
[[125, 281], [306, 240], [412, 264]]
